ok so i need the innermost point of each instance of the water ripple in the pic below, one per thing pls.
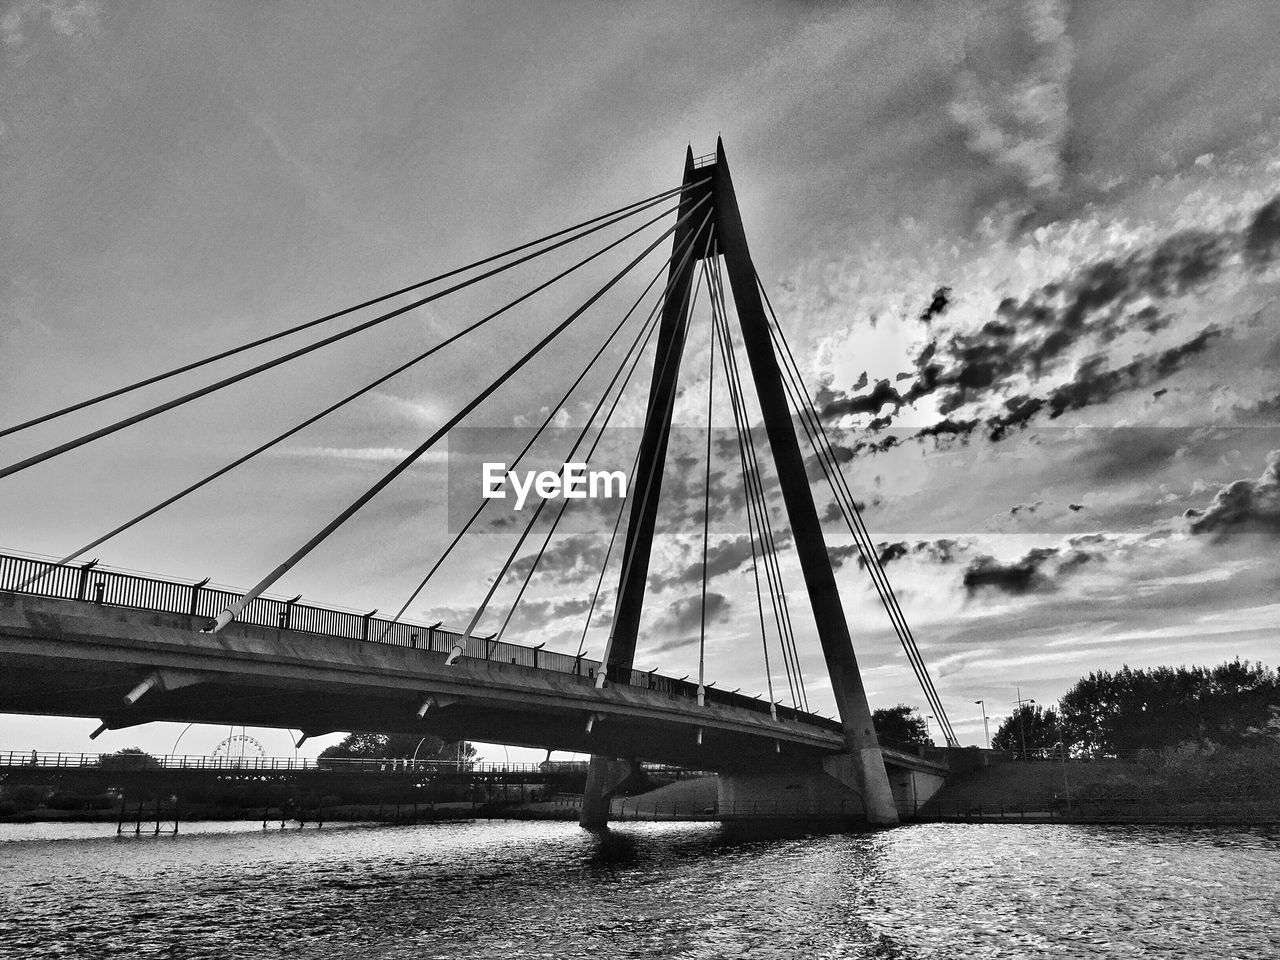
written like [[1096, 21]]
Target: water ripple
[[550, 890]]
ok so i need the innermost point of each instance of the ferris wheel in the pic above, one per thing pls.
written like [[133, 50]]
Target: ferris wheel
[[239, 748]]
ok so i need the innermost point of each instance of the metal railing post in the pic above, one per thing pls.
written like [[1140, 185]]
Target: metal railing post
[[195, 595], [83, 585]]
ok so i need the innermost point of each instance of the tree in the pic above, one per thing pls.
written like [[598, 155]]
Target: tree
[[901, 725], [130, 758], [371, 746], [1161, 707], [1039, 727]]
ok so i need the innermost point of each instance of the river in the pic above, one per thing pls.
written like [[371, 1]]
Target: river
[[498, 889]]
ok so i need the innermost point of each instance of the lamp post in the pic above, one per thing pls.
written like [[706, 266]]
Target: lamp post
[[985, 728], [1022, 729], [1066, 785]]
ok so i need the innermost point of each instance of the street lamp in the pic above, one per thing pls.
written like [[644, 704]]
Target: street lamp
[[1022, 729], [985, 729]]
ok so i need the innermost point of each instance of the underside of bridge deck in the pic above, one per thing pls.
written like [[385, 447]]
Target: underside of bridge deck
[[71, 658]]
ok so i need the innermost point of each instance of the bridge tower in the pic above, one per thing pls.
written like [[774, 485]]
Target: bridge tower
[[861, 768]]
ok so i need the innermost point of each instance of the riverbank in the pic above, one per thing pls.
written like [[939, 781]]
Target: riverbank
[[1149, 789]]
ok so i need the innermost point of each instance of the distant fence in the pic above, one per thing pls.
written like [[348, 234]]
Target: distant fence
[[46, 760], [93, 583]]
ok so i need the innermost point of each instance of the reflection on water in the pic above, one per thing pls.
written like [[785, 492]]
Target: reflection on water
[[515, 889]]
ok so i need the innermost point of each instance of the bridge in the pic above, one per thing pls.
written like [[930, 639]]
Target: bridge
[[80, 639]]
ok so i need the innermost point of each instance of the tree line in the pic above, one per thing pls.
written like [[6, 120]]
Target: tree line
[[1108, 713]]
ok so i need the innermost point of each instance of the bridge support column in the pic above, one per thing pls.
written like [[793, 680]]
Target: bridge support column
[[604, 776], [866, 766]]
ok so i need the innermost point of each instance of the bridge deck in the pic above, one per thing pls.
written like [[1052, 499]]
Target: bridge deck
[[77, 658], [108, 588]]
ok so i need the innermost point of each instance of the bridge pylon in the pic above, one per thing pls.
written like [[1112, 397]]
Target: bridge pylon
[[860, 769]]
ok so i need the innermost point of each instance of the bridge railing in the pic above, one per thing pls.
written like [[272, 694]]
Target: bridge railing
[[96, 584], [134, 762]]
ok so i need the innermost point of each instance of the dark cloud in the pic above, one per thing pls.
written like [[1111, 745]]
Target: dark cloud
[[942, 551], [842, 554], [1094, 382], [1038, 571], [936, 307], [1020, 411], [1075, 507], [1244, 506], [566, 561], [893, 551], [685, 615], [947, 428], [1025, 508], [939, 551], [1262, 236], [1019, 576], [881, 394]]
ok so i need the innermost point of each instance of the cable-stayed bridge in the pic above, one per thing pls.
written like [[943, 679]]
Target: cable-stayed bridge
[[79, 639]]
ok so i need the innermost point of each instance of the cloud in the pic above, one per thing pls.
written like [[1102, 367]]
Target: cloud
[[567, 560], [1265, 411], [1081, 315], [1093, 382], [941, 551], [1263, 234], [72, 20], [935, 308], [1029, 337], [722, 557], [1039, 569], [840, 555], [1022, 122], [881, 394], [1244, 506], [684, 615], [540, 614]]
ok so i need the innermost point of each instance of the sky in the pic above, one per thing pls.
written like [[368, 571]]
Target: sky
[[1025, 253]]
